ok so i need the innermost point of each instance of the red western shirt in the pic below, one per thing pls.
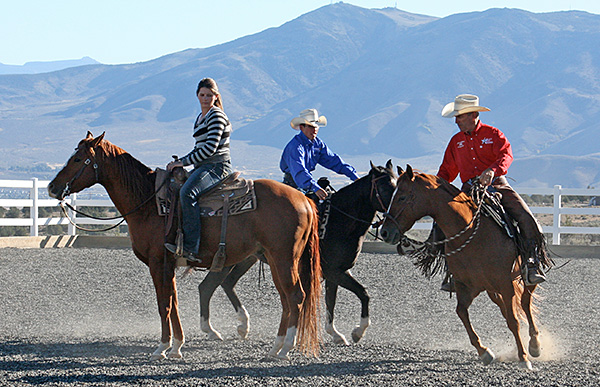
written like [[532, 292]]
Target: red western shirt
[[471, 154]]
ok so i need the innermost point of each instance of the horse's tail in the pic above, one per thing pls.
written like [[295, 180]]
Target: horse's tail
[[309, 338]]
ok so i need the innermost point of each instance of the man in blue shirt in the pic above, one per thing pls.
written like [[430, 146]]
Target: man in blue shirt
[[305, 150]]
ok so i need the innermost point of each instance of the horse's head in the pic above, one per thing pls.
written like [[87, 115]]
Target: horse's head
[[408, 204], [383, 184], [81, 170]]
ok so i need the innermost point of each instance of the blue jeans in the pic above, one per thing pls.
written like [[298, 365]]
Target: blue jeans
[[202, 179]]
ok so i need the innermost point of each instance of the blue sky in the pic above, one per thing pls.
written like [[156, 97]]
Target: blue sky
[[128, 31]]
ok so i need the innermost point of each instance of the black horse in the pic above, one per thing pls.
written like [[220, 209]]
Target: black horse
[[351, 213]]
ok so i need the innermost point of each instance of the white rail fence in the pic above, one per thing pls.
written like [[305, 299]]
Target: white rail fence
[[34, 202]]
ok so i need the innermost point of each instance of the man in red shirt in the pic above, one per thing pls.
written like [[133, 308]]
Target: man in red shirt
[[483, 151]]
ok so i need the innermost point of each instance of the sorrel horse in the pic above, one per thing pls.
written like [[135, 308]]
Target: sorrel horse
[[485, 263], [351, 213], [284, 225]]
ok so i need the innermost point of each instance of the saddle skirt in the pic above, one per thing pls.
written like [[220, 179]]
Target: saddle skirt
[[239, 191]]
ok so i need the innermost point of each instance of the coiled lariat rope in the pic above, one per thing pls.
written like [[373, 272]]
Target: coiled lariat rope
[[429, 264]]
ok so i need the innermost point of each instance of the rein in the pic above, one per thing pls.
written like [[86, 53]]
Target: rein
[[377, 195], [476, 191], [66, 192]]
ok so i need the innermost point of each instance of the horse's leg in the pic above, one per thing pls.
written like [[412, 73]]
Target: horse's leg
[[163, 277], [534, 342], [283, 323], [175, 352], [513, 324], [346, 280], [330, 298], [465, 297], [292, 296], [229, 287], [206, 289], [497, 299]]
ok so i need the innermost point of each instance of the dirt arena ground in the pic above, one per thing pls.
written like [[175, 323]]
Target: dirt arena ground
[[88, 317]]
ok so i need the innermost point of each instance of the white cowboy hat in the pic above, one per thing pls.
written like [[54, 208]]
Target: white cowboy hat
[[308, 117], [464, 103]]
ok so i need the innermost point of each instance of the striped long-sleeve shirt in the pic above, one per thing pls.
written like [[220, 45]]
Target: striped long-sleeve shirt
[[211, 133]]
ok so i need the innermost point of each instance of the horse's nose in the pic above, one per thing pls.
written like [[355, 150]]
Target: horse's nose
[[51, 191], [384, 234]]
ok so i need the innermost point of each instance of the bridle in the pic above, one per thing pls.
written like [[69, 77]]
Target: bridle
[[475, 189], [374, 189], [66, 192]]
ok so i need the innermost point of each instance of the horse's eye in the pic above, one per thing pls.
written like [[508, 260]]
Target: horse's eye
[[77, 159], [402, 198]]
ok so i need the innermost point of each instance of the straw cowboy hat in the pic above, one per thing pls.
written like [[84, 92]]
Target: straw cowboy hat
[[464, 103], [309, 117]]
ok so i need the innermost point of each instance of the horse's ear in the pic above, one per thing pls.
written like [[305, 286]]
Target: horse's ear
[[409, 172], [97, 140], [372, 166], [89, 135], [389, 165], [400, 170]]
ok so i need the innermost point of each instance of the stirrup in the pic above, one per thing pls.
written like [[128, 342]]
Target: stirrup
[[448, 286], [533, 277], [183, 254]]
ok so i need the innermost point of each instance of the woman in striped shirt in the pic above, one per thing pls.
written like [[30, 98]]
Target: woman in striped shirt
[[210, 158]]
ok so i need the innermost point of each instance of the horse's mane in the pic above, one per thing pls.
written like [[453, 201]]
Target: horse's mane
[[137, 177], [451, 189], [349, 190]]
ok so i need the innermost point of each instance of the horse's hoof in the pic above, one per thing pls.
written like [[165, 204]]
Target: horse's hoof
[[534, 348], [270, 358], [175, 355], [357, 334], [340, 340], [214, 335], [487, 357], [159, 356], [242, 331], [526, 365]]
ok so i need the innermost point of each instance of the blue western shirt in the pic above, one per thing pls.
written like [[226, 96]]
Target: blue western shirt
[[301, 156]]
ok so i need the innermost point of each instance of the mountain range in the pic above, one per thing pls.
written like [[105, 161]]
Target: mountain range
[[380, 76], [45, 67]]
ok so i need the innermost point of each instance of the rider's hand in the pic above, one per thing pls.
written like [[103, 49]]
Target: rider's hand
[[174, 164], [321, 194], [486, 177]]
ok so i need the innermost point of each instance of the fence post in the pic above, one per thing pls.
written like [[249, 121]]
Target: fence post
[[556, 215], [33, 214], [71, 230]]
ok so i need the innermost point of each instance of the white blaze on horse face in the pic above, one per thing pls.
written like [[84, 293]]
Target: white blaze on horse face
[[392, 199]]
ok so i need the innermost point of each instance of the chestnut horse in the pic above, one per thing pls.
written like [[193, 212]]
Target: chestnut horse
[[351, 214], [483, 257], [284, 225]]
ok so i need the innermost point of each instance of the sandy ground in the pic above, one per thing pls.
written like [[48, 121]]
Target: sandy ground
[[88, 317]]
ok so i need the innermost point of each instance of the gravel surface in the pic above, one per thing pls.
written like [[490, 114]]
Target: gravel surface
[[88, 317]]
